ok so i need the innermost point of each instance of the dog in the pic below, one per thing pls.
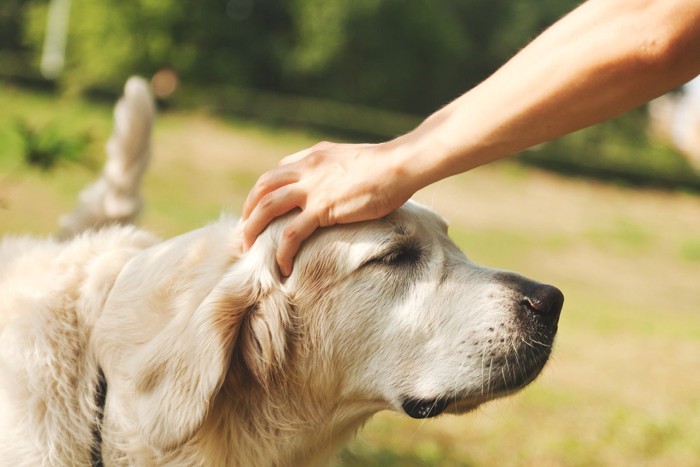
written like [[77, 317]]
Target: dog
[[119, 348]]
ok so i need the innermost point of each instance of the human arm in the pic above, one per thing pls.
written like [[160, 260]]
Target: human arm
[[604, 58]]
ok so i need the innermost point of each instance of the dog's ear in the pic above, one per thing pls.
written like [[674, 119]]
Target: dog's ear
[[170, 327], [264, 333], [179, 371], [263, 336]]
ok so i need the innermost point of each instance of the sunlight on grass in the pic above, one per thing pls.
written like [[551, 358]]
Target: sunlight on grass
[[622, 235], [690, 250]]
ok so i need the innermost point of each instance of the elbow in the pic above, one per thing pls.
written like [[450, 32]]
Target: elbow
[[672, 44], [663, 51]]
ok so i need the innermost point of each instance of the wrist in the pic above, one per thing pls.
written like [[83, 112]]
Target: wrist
[[404, 164], [436, 149]]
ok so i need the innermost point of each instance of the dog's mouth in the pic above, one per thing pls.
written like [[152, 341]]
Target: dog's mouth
[[506, 375], [429, 408], [424, 408]]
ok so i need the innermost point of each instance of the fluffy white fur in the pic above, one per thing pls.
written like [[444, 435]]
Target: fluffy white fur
[[212, 358]]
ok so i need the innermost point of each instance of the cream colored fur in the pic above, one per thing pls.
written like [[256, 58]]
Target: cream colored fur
[[114, 197], [213, 359]]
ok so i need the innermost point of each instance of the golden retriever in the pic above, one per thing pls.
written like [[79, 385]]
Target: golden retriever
[[118, 348]]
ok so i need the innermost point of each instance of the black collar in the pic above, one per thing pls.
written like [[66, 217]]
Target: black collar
[[100, 397]]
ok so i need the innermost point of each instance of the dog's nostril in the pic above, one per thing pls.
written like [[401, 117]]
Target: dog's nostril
[[545, 300]]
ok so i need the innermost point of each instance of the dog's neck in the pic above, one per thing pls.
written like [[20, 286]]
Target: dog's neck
[[306, 432], [70, 289]]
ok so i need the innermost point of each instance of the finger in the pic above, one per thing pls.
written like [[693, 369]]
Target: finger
[[298, 230], [267, 183], [271, 205]]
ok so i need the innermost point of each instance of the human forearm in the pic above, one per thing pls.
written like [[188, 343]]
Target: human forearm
[[606, 57]]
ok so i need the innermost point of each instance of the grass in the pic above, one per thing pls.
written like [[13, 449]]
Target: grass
[[623, 387], [690, 250]]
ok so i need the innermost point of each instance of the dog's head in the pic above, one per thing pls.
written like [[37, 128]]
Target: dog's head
[[410, 321], [386, 314]]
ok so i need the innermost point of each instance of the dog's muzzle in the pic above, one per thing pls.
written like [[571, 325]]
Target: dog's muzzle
[[536, 310]]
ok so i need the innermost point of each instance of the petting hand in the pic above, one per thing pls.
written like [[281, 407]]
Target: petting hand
[[332, 184]]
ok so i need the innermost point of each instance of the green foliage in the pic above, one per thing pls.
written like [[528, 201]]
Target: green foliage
[[345, 57], [617, 150], [395, 54], [108, 40], [11, 21], [45, 147], [321, 31]]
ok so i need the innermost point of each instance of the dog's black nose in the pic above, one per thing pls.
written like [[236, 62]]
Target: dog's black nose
[[544, 300], [534, 302]]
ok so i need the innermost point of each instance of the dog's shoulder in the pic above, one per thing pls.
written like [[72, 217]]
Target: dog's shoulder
[[37, 251], [33, 266]]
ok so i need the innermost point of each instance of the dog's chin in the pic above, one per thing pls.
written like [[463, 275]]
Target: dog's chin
[[422, 408]]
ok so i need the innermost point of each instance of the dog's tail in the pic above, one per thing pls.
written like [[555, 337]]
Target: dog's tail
[[114, 198]]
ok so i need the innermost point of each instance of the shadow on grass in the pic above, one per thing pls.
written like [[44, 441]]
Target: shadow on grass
[[384, 457]]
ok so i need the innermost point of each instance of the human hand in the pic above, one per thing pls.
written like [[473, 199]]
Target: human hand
[[332, 183]]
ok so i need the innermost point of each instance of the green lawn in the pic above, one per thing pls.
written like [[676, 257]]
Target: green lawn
[[623, 387]]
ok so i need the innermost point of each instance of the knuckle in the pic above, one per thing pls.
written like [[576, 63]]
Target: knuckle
[[325, 214], [329, 218], [322, 145], [267, 201], [290, 234], [314, 159]]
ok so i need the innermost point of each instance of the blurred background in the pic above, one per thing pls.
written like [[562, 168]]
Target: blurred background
[[610, 214]]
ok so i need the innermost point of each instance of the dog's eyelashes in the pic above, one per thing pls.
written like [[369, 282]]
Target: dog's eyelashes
[[400, 255], [403, 256]]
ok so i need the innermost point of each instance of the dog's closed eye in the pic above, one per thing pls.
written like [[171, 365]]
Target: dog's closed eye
[[398, 255]]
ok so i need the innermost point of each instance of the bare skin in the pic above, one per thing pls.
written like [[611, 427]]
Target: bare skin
[[604, 58]]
